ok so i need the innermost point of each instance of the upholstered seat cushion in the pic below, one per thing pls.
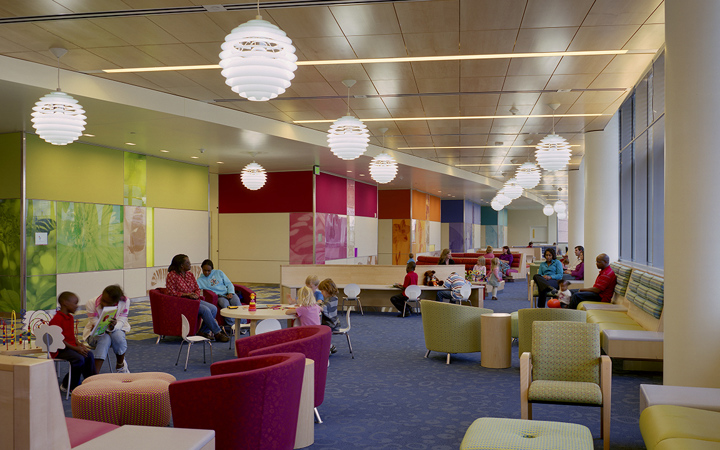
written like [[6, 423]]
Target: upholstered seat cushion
[[687, 444], [620, 326], [491, 433], [661, 422], [514, 329], [600, 316], [124, 399], [565, 392]]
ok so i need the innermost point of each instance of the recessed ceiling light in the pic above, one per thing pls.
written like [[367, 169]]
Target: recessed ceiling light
[[416, 119], [362, 174], [194, 157], [88, 135], [165, 151], [129, 143], [220, 162], [349, 171]]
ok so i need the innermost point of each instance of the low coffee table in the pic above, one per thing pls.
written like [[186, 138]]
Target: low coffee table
[[260, 314], [495, 340]]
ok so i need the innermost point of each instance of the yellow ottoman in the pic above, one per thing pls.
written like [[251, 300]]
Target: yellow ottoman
[[499, 434], [124, 399]]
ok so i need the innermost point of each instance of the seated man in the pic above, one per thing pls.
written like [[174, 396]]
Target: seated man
[[603, 288], [454, 282]]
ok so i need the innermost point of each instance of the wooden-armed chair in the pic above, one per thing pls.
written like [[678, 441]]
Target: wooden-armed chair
[[565, 366], [527, 316]]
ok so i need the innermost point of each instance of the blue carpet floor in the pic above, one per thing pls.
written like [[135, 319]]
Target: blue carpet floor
[[390, 397]]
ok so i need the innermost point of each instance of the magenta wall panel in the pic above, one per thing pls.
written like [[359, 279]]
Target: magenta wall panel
[[331, 194], [320, 238], [283, 192], [366, 204], [301, 235]]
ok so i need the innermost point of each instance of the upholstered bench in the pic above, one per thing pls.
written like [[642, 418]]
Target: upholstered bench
[[491, 433], [671, 427], [124, 399]]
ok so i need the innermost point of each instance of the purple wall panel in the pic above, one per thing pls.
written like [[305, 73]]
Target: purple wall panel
[[366, 196], [301, 235], [331, 193], [335, 237], [457, 240], [468, 237]]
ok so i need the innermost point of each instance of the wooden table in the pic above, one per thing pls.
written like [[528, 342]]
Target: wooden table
[[134, 436], [260, 314], [495, 340]]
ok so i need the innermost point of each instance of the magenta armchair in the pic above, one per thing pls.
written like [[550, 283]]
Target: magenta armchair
[[261, 400], [166, 310], [312, 341]]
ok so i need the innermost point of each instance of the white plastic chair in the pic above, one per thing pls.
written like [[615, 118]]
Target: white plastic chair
[[412, 293], [190, 341], [465, 291], [46, 338], [267, 325], [346, 331], [352, 294]]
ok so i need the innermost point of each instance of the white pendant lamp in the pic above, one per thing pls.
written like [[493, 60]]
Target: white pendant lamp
[[383, 167], [258, 60], [253, 176], [548, 210], [562, 215], [348, 137], [559, 206], [58, 118], [512, 189], [528, 175], [502, 198], [553, 152], [496, 206]]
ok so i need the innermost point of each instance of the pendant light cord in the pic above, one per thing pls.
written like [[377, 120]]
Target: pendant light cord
[[258, 10], [348, 102], [58, 73]]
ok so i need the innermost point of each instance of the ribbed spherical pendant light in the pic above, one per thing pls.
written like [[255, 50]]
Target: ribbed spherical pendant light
[[512, 189], [258, 60], [348, 137], [58, 118], [383, 168], [562, 215], [253, 176], [559, 206], [502, 198], [496, 205], [528, 175], [553, 152], [548, 210]]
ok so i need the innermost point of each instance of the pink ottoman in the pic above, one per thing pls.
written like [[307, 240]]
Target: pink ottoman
[[124, 399]]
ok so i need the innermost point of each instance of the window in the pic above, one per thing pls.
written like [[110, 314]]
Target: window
[[642, 165]]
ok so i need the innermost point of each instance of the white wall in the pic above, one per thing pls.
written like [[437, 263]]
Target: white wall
[[520, 221], [434, 230], [181, 231], [366, 236]]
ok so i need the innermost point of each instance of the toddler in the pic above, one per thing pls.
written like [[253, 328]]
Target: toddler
[[307, 309], [494, 278], [480, 269], [564, 293]]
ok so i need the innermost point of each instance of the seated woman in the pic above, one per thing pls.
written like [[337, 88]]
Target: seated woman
[[446, 257], [489, 255], [549, 274], [578, 271], [219, 283], [180, 282], [506, 260]]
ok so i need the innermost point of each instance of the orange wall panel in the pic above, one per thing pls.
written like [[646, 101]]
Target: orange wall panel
[[434, 209], [394, 204], [420, 208]]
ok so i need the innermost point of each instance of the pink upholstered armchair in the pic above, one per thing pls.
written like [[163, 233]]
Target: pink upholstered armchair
[[312, 341], [261, 399], [166, 310]]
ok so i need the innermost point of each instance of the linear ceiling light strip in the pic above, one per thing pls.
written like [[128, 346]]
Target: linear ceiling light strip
[[414, 119]]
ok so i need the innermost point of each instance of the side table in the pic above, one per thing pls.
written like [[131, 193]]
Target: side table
[[495, 340]]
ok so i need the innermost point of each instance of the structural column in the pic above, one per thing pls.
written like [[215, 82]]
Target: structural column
[[692, 210], [576, 208], [602, 196]]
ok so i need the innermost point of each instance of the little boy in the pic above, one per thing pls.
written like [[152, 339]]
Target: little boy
[[79, 356], [564, 293]]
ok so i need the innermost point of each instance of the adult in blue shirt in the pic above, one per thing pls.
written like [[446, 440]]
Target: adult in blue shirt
[[219, 283], [548, 276]]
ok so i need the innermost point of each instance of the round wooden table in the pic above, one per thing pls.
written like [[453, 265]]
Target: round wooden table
[[495, 340], [260, 314]]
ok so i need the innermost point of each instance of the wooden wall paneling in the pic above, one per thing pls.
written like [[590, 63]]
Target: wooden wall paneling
[[416, 17], [490, 14], [135, 30], [366, 19], [544, 39], [190, 27], [556, 13], [618, 12], [7, 421], [306, 22], [602, 38], [329, 47], [378, 46]]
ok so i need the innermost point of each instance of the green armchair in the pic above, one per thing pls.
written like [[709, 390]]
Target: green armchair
[[527, 316], [565, 366], [451, 328]]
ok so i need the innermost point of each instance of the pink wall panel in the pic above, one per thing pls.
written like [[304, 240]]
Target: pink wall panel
[[366, 200], [283, 192], [331, 193], [301, 238], [320, 238], [335, 237]]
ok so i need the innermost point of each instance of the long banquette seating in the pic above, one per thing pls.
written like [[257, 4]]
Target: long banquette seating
[[517, 268]]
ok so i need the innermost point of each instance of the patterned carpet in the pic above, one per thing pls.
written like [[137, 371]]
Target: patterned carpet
[[390, 397]]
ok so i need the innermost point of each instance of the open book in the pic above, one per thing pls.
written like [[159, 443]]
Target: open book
[[108, 314]]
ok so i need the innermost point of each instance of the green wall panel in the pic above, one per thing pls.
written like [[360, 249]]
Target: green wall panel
[[89, 237], [75, 173], [10, 294], [175, 185], [135, 179], [10, 237], [41, 259], [41, 293], [10, 165]]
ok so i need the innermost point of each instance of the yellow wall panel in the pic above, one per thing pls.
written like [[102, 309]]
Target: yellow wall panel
[[176, 185], [255, 237], [10, 165], [253, 271], [74, 173]]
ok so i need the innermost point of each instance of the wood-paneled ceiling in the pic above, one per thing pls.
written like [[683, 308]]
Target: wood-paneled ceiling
[[380, 29]]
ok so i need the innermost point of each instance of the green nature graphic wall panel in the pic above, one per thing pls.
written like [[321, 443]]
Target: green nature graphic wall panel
[[135, 188], [74, 173], [175, 185], [10, 237], [41, 293], [10, 294], [10, 165], [89, 237], [41, 222]]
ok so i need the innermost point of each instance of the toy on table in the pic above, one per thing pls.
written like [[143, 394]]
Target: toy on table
[[253, 305]]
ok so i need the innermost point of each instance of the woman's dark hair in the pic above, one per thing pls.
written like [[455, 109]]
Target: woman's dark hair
[[207, 262], [552, 252], [177, 262], [505, 247], [115, 292]]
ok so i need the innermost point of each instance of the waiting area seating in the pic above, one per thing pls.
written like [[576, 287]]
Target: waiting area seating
[[451, 328], [492, 433], [517, 268]]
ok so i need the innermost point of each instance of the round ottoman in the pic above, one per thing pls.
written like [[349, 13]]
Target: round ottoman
[[491, 433], [124, 399]]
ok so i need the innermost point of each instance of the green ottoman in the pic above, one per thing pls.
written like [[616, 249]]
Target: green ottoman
[[490, 433], [514, 330]]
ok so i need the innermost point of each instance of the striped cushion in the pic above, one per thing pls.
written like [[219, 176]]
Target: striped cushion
[[491, 433], [565, 392], [647, 292], [623, 277]]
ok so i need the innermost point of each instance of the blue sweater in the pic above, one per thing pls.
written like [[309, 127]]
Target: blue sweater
[[217, 282], [554, 270]]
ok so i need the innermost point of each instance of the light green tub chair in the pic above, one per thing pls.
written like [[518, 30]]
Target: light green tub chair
[[451, 328]]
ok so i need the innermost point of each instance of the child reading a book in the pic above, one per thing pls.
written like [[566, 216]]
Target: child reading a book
[[78, 355], [307, 309], [114, 334]]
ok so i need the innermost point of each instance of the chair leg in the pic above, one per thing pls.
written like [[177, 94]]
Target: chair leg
[[158, 340], [188, 355], [605, 427], [427, 354], [179, 351], [204, 358], [360, 305], [448, 359], [350, 345], [212, 359], [317, 415], [67, 394]]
